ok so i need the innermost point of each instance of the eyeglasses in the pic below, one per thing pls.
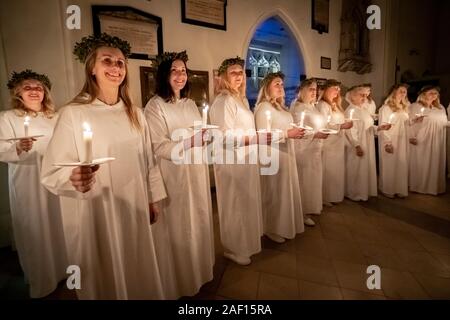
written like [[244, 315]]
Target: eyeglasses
[[30, 88], [109, 62]]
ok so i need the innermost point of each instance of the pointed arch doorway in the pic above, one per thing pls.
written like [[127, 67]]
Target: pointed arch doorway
[[272, 48]]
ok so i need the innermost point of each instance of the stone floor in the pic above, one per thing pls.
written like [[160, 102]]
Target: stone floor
[[409, 239]]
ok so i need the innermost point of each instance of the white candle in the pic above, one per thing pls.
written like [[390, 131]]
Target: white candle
[[268, 121], [422, 111], [87, 139], [391, 117], [26, 124], [302, 118], [351, 113], [328, 119], [205, 115]]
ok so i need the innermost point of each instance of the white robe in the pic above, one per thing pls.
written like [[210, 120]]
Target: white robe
[[237, 185], [361, 176], [370, 106], [282, 204], [187, 258], [308, 152], [427, 158], [333, 156], [35, 212], [393, 175], [107, 229]]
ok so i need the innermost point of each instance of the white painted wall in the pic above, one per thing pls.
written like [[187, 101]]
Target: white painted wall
[[33, 35]]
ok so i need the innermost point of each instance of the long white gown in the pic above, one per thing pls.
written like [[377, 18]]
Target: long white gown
[[187, 257], [107, 229], [361, 176], [393, 175], [35, 212], [448, 141], [427, 158], [238, 186], [281, 197], [308, 151], [333, 156]]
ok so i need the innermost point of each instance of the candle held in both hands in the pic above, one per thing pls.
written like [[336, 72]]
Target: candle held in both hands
[[87, 139], [205, 115], [268, 121], [26, 124]]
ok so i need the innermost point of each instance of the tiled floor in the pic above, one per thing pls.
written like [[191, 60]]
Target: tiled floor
[[409, 239]]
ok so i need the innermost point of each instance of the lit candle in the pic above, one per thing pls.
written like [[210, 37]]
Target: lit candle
[[351, 113], [205, 115], [329, 119], [302, 118], [26, 124], [87, 139], [422, 111], [391, 117], [268, 121]]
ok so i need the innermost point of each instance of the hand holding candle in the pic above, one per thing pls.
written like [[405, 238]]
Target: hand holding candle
[[87, 139], [205, 115], [26, 124], [268, 121]]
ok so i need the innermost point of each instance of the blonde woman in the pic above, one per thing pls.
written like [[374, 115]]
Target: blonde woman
[[393, 143], [107, 211], [309, 150], [35, 212], [361, 176], [427, 143], [282, 204], [333, 150], [369, 104], [237, 185]]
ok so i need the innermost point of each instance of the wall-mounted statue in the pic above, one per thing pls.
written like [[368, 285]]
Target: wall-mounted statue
[[354, 53]]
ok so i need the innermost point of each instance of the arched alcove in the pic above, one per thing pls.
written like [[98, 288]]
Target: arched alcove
[[273, 47]]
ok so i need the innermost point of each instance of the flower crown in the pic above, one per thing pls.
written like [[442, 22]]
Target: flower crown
[[170, 57], [230, 62], [16, 78], [428, 88], [87, 45], [269, 77]]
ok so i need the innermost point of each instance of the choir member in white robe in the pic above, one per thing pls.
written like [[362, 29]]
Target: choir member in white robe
[[309, 149], [361, 176], [238, 187], [369, 103], [427, 148], [187, 257], [393, 144], [448, 141], [282, 204], [35, 212], [107, 210], [333, 149]]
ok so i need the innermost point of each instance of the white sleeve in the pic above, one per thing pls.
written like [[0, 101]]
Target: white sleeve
[[8, 151]]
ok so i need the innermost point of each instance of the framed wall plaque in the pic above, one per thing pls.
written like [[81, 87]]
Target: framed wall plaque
[[205, 13], [142, 30], [325, 63]]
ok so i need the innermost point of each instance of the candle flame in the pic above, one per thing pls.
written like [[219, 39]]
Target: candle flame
[[86, 127], [27, 119], [268, 114]]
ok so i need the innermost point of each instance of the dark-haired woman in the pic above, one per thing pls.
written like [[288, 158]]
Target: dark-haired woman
[[186, 258], [107, 211], [35, 212]]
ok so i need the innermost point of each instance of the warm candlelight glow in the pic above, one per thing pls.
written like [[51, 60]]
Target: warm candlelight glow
[[205, 115], [87, 139], [268, 120], [26, 124], [302, 118], [351, 114]]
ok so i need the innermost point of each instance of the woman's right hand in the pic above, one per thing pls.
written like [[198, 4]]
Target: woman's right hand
[[389, 148], [320, 135], [296, 133], [197, 140], [83, 178], [24, 145], [359, 151], [418, 119], [413, 141], [347, 125]]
